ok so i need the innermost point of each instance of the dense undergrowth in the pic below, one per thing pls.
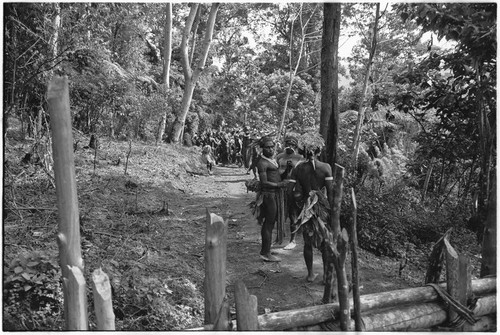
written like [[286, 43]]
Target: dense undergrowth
[[122, 235], [120, 218]]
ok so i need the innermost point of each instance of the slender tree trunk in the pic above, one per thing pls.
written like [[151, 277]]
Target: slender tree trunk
[[361, 112], [196, 24], [190, 76], [427, 179], [329, 119], [294, 73], [489, 248], [167, 56], [54, 43], [167, 45]]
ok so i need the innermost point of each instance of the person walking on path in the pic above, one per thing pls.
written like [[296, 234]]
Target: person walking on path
[[287, 161], [207, 158]]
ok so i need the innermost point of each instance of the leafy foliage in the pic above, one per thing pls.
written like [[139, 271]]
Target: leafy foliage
[[32, 293]]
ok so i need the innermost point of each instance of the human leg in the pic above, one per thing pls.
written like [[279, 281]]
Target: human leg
[[269, 208], [308, 257], [292, 216]]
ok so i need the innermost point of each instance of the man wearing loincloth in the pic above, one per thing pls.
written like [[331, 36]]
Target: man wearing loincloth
[[313, 191], [270, 199], [287, 160]]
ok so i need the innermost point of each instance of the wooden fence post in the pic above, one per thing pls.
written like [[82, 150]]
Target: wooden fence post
[[246, 308], [454, 284], [216, 311], [68, 237], [354, 264], [340, 247], [103, 303]]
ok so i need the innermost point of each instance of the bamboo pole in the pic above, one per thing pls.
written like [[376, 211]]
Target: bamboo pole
[[68, 237], [354, 265], [103, 303], [215, 267], [246, 308]]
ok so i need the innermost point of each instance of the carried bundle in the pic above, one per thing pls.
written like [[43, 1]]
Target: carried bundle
[[253, 185]]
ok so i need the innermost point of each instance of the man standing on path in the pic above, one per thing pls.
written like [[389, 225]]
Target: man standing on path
[[271, 198], [287, 161], [311, 180]]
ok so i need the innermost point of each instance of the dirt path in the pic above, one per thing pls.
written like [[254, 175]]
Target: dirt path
[[278, 286]]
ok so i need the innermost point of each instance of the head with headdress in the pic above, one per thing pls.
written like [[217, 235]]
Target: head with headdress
[[311, 143], [291, 144]]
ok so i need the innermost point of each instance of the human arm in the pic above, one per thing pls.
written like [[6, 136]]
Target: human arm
[[329, 184], [269, 176]]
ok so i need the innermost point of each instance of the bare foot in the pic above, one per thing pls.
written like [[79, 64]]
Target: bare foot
[[312, 277], [270, 258], [290, 245]]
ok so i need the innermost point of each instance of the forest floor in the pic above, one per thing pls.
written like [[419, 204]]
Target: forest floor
[[146, 230]]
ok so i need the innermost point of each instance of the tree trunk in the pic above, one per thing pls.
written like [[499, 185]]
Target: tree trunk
[[329, 118], [489, 248], [194, 30], [54, 42], [167, 56], [191, 76], [361, 112], [167, 46], [294, 73], [68, 237], [427, 179]]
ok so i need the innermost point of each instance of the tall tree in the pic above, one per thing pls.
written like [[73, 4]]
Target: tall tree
[[167, 56], [361, 111], [191, 76], [303, 36], [329, 119], [459, 86]]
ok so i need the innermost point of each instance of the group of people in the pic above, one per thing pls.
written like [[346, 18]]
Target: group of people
[[226, 147], [294, 186]]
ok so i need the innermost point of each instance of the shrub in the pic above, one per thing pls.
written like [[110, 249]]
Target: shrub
[[32, 293]]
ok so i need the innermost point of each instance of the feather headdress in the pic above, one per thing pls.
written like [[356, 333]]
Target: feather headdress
[[311, 141]]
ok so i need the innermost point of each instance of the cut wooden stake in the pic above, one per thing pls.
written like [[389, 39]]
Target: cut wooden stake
[[436, 260], [215, 266], [103, 303], [246, 308], [354, 265], [74, 285], [453, 285]]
